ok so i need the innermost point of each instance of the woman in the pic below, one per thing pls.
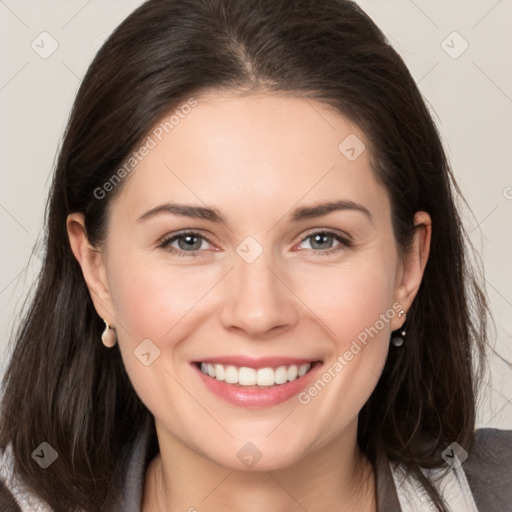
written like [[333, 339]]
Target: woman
[[255, 293]]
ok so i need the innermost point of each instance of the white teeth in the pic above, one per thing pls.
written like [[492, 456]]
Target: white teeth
[[292, 372], [302, 370], [265, 377], [219, 372], [245, 376], [281, 375], [231, 374]]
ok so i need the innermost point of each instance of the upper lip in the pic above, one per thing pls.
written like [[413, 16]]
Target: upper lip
[[261, 362]]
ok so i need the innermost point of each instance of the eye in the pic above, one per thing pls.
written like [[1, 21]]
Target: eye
[[323, 240], [189, 243]]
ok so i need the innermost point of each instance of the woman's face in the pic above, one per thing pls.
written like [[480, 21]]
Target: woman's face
[[279, 278]]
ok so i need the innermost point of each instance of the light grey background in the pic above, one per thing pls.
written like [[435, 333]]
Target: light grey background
[[470, 94]]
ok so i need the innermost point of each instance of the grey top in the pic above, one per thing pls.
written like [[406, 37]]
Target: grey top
[[488, 470]]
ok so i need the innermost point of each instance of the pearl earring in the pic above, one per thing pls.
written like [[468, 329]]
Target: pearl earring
[[108, 337], [398, 341]]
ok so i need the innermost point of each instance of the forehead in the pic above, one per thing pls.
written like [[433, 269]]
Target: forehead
[[253, 154]]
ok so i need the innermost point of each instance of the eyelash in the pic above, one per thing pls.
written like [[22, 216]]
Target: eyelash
[[344, 243]]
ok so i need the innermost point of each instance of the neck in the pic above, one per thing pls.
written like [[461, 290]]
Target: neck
[[335, 477]]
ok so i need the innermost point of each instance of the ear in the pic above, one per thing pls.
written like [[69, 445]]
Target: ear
[[92, 262], [413, 266]]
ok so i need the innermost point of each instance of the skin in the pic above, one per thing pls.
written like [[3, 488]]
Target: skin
[[254, 158]]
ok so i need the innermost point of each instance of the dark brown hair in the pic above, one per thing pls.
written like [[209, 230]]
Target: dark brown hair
[[63, 387]]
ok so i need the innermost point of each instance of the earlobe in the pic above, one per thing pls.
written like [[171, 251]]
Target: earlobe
[[92, 263], [414, 264]]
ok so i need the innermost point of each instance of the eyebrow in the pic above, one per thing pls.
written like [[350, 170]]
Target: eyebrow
[[213, 215]]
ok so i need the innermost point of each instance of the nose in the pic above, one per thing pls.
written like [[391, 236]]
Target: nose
[[261, 302]]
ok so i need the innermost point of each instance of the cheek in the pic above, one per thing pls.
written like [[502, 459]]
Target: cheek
[[351, 298], [157, 303], [150, 298], [356, 305], [359, 343]]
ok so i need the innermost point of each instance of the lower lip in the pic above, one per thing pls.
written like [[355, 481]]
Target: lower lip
[[247, 396]]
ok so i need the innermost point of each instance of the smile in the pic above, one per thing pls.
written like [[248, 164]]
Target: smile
[[246, 376], [272, 383]]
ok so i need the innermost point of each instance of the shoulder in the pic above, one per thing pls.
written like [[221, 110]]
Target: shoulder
[[488, 469], [14, 495], [7, 501]]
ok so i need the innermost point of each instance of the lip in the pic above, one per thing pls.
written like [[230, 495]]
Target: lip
[[252, 396]]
